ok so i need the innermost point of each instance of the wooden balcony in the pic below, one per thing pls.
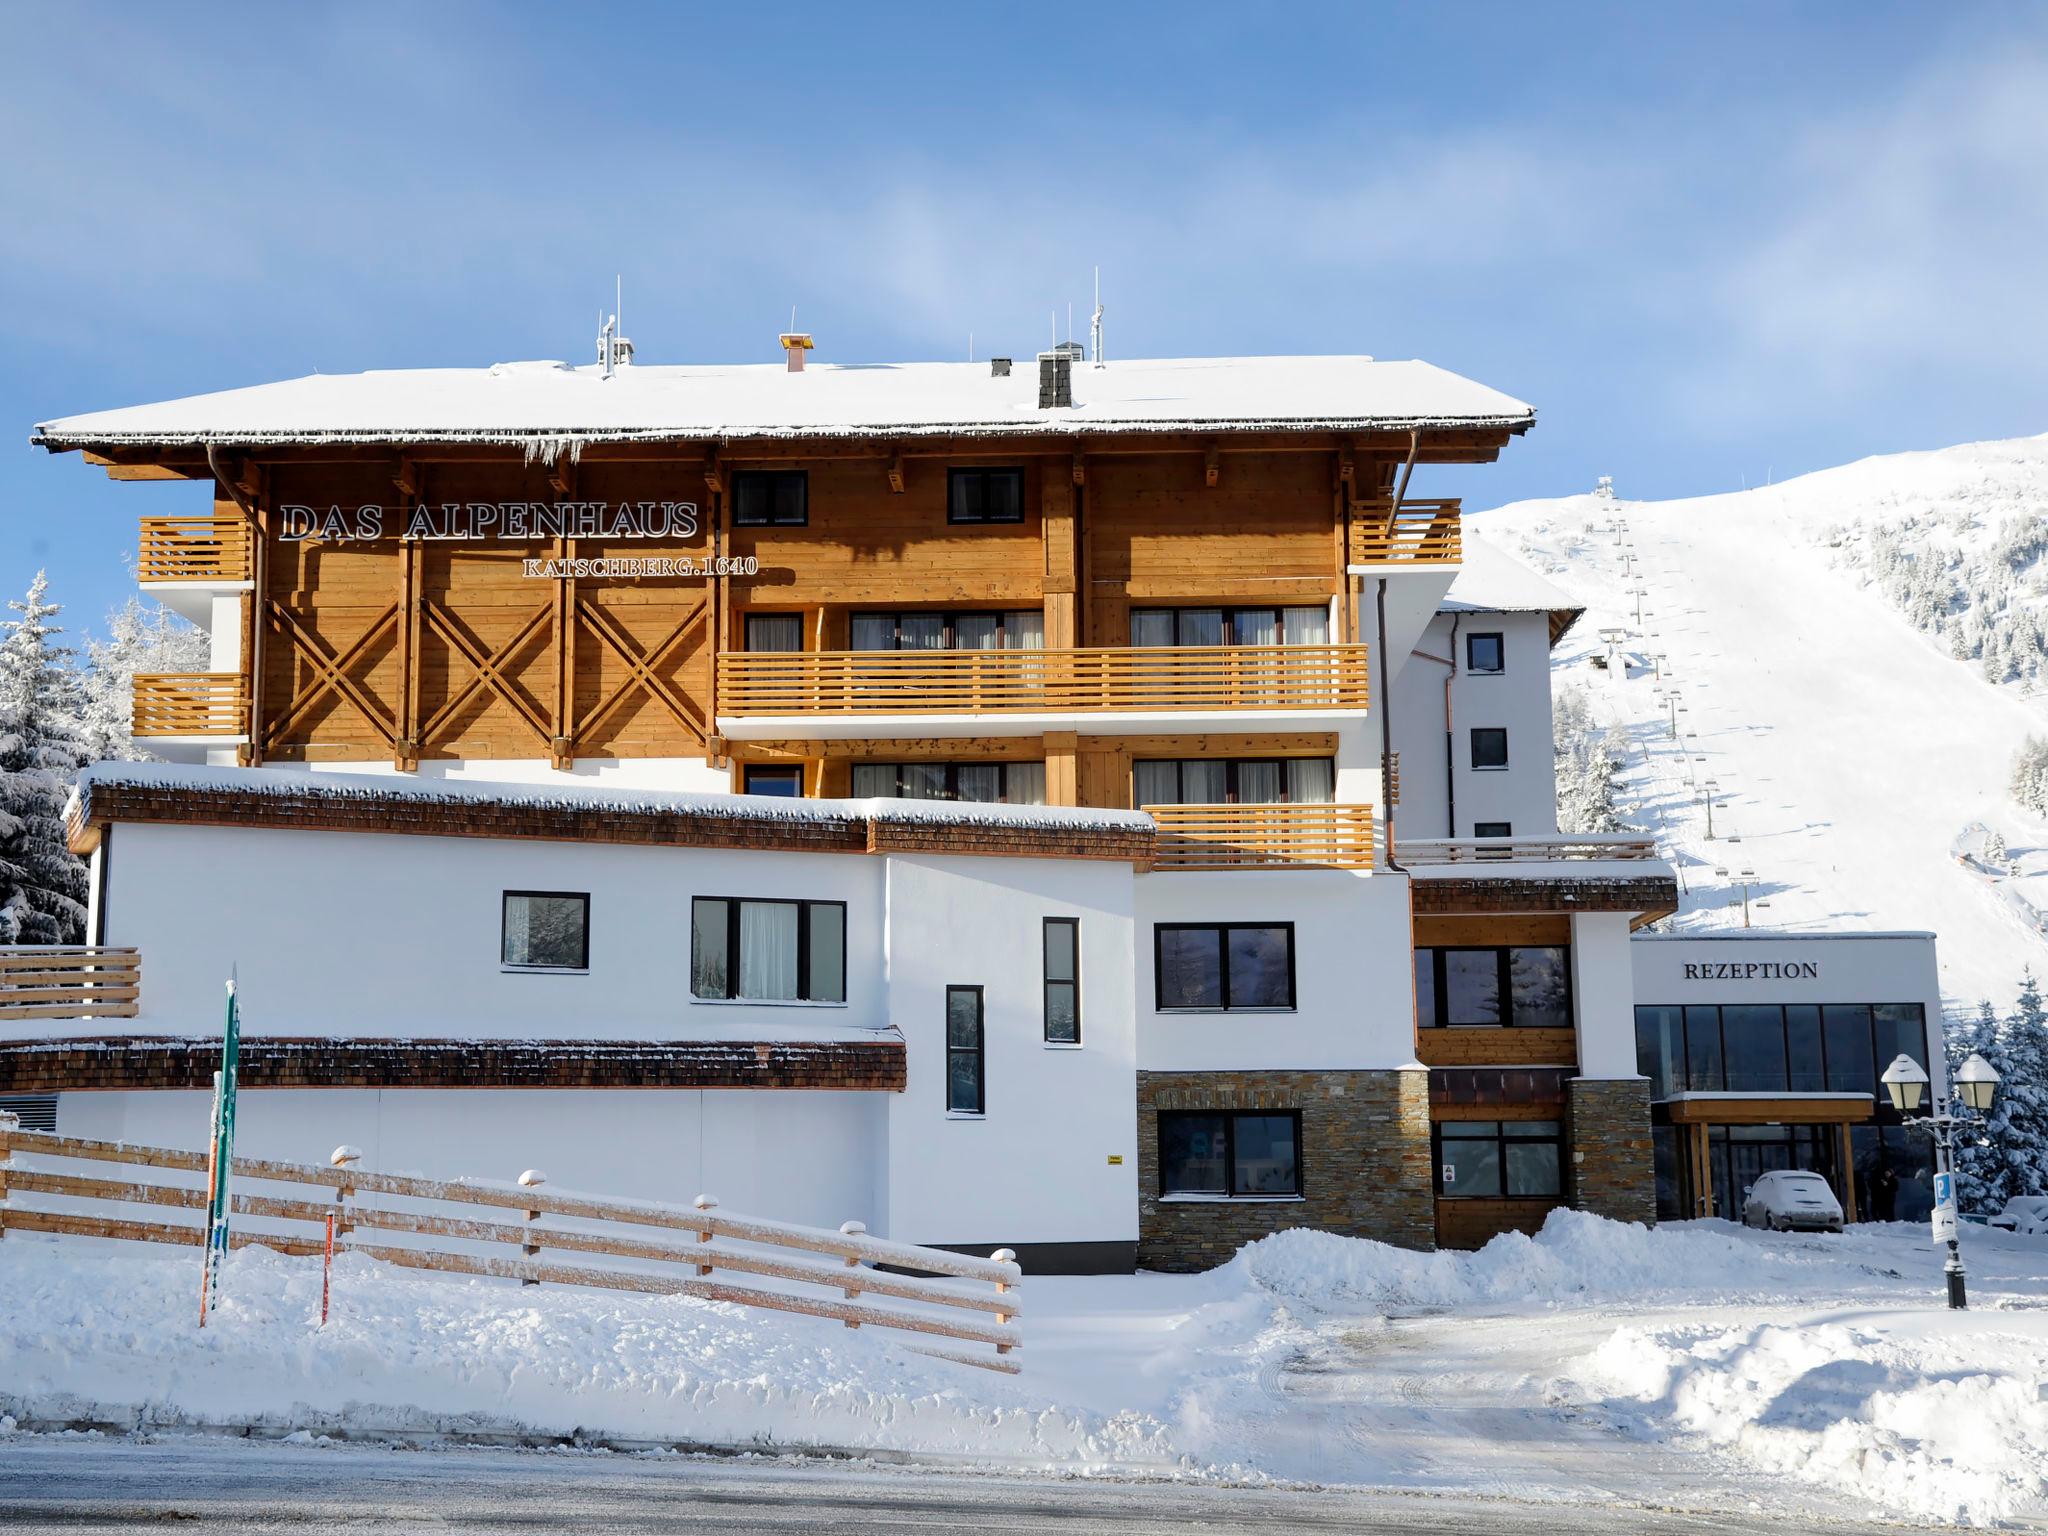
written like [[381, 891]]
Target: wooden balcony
[[1263, 836], [61, 981], [1525, 850], [193, 549], [1099, 681], [190, 704], [1415, 533]]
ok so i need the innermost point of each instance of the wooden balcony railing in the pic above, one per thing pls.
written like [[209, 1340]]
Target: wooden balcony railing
[[1195, 677], [1421, 532], [193, 549], [190, 704], [1263, 836], [1482, 850], [62, 981]]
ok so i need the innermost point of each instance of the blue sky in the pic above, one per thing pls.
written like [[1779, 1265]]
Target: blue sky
[[1709, 243]]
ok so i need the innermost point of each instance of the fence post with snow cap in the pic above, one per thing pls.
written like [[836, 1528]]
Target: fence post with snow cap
[[1003, 1256], [10, 1122], [704, 1233], [532, 1178], [852, 1292], [337, 1224]]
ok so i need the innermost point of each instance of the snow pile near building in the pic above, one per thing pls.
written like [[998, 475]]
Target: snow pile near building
[[1924, 1423]]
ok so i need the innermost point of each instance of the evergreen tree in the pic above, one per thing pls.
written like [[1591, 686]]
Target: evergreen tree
[[42, 884], [1587, 760], [140, 638], [2009, 1156]]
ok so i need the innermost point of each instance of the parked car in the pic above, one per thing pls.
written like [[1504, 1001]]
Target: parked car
[[1786, 1199], [2025, 1214]]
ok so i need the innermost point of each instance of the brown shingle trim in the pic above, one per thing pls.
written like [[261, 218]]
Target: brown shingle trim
[[107, 1063], [1650, 895]]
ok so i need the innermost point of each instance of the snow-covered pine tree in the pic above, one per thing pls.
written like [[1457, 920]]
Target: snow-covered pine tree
[[2029, 782], [141, 637], [42, 883], [2020, 1111], [1586, 759], [1980, 1172]]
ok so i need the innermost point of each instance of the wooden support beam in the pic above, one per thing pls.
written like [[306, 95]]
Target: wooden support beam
[[407, 479], [896, 472], [714, 472], [1080, 469]]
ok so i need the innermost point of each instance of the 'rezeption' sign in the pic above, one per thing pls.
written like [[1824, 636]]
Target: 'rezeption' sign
[[520, 522]]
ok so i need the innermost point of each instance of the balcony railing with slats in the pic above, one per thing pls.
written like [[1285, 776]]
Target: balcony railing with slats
[[1263, 836], [1523, 850], [193, 549], [1416, 532], [1060, 682], [190, 704], [67, 981]]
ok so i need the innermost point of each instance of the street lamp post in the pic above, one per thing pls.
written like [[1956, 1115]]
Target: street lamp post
[[1975, 1083]]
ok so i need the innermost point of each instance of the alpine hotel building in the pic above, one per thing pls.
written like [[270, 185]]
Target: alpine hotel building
[[1090, 809]]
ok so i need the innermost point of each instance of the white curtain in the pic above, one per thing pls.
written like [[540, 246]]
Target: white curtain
[[922, 781], [828, 953], [1204, 781], [1311, 780], [980, 782], [874, 631], [1151, 626], [768, 950], [1201, 626], [874, 781], [1024, 630], [974, 632], [1024, 783], [1256, 626], [1305, 626], [775, 632], [1155, 783], [1258, 783], [923, 631]]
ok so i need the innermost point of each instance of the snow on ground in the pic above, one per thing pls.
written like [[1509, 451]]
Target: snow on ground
[[1850, 750], [1698, 1365]]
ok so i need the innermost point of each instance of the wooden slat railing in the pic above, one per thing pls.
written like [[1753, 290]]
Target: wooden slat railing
[[1424, 532], [1105, 680], [693, 1242], [66, 981], [1481, 850], [1263, 836], [190, 704], [193, 549]]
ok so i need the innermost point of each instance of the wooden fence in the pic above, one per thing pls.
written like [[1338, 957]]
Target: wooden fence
[[1108, 680], [1564, 846], [68, 981], [197, 549], [1312, 836], [1425, 532], [190, 704], [438, 1226]]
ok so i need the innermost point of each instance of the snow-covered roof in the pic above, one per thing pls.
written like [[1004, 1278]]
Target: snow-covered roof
[[1494, 581], [547, 405]]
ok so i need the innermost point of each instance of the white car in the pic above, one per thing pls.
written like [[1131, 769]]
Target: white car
[[1785, 1199], [2025, 1214]]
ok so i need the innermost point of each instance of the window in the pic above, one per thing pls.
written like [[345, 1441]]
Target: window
[[1017, 629], [1499, 1159], [1660, 1049], [1062, 943], [38, 1111], [787, 782], [986, 783], [1230, 626], [1484, 653], [1493, 829], [1224, 1156], [1524, 985], [771, 498], [965, 1091], [767, 951], [1489, 746], [1223, 965], [1235, 781], [1766, 1048], [545, 931], [775, 631], [985, 496]]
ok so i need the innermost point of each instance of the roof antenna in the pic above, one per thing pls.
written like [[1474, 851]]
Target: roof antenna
[[1095, 321], [970, 346]]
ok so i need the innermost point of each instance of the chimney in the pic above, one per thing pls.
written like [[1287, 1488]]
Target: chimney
[[794, 345], [1055, 379], [999, 367]]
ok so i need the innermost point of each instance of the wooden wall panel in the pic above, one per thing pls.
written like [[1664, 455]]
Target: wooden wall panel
[[1475, 1223], [1479, 1047], [1507, 928]]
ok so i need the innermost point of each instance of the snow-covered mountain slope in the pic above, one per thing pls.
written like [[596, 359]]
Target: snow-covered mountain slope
[[1856, 760]]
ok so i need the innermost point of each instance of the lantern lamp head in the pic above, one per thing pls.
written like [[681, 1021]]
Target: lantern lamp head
[[1977, 1082], [1906, 1081]]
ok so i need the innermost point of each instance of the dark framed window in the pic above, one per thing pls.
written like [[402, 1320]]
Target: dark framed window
[[1499, 1159], [1526, 986], [984, 495], [545, 930], [1225, 1154], [984, 783], [775, 631], [1769, 1048], [1485, 653], [771, 498], [744, 949], [1062, 948], [1012, 629], [1216, 967], [766, 779], [966, 1092], [1303, 625], [1493, 829], [1235, 781], [1489, 746]]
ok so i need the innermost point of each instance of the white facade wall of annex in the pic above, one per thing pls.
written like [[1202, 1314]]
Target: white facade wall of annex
[[1751, 965], [1035, 1166], [1516, 699], [1603, 997], [1353, 973]]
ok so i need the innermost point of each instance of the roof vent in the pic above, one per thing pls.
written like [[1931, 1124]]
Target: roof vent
[[1073, 351], [794, 345], [1055, 378], [999, 367]]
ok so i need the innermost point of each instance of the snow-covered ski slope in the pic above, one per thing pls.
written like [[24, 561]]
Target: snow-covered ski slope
[[1850, 750]]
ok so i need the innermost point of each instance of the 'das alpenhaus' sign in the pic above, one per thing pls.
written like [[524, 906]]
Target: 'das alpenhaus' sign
[[508, 521]]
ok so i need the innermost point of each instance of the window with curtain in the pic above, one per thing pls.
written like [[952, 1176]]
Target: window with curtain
[[985, 495], [1302, 625], [545, 931], [1235, 781], [1012, 629], [982, 783], [966, 1087], [775, 631], [771, 951]]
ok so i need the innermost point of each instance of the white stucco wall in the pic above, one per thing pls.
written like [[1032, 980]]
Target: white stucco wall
[[1603, 1000]]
